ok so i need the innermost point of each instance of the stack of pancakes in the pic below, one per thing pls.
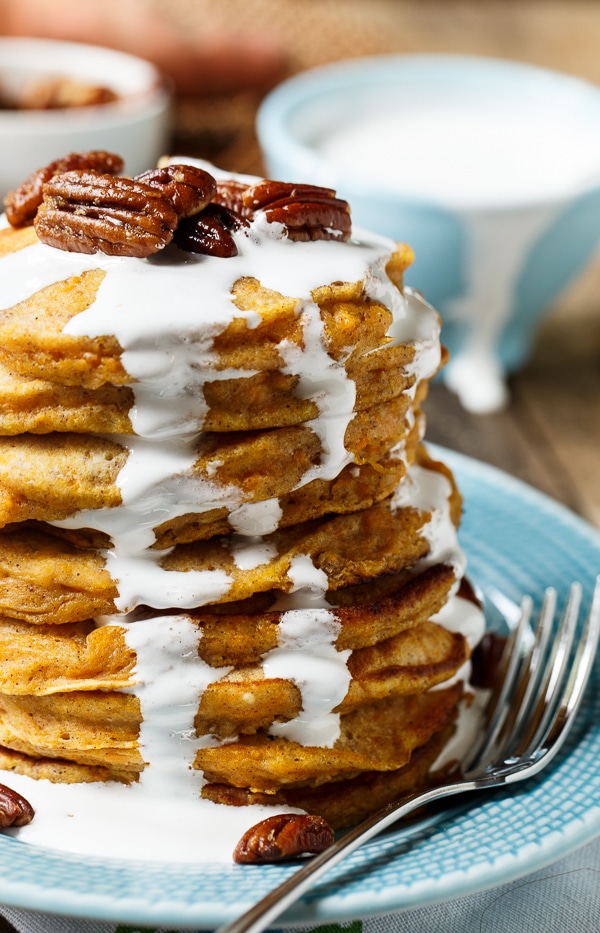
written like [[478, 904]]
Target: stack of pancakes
[[223, 547]]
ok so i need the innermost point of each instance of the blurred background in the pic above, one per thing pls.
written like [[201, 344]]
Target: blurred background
[[549, 435]]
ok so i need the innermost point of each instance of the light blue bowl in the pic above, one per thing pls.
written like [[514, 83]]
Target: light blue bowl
[[561, 224]]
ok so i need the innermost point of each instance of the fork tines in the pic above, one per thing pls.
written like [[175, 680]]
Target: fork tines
[[540, 683]]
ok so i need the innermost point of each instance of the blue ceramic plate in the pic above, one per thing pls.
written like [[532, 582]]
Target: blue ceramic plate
[[517, 541]]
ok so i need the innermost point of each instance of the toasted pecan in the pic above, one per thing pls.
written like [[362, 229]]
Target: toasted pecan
[[209, 232], [283, 836], [15, 810], [88, 212], [190, 188], [22, 203], [308, 212]]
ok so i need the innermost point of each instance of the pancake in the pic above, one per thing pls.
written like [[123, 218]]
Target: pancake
[[45, 660], [48, 658], [345, 802], [234, 468], [34, 343], [39, 407], [241, 403], [89, 728], [61, 771], [246, 701], [379, 736], [100, 729], [244, 635], [44, 578]]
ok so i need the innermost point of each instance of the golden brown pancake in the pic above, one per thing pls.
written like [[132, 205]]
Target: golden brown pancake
[[378, 736], [73, 583], [43, 578], [49, 477], [245, 700], [44, 658], [61, 771], [345, 802], [235, 634], [89, 727], [100, 729], [33, 342], [244, 403]]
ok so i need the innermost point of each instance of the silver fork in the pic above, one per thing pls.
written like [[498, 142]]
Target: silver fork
[[539, 686]]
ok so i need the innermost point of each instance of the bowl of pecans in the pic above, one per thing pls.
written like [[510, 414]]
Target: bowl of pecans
[[58, 97]]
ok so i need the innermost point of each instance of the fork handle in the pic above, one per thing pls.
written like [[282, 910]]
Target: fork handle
[[260, 915]]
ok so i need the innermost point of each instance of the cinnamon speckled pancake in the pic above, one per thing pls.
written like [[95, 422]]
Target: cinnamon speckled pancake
[[48, 477], [263, 400], [245, 700], [40, 407], [33, 342], [345, 802], [61, 771], [100, 729], [357, 487], [378, 736], [39, 660], [241, 634], [45, 579], [89, 727], [48, 658]]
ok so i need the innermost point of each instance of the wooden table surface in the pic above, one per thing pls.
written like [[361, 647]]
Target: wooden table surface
[[549, 435]]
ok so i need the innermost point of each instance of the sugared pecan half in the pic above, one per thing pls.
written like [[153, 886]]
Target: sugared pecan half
[[189, 188], [88, 212], [230, 194], [283, 836], [15, 810], [22, 203], [209, 232], [308, 212]]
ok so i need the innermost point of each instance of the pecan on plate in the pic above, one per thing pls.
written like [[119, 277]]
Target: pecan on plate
[[190, 188], [209, 232], [308, 212], [89, 212], [22, 203], [283, 836], [15, 810]]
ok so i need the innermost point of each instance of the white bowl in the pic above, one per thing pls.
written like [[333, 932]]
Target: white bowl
[[135, 126]]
